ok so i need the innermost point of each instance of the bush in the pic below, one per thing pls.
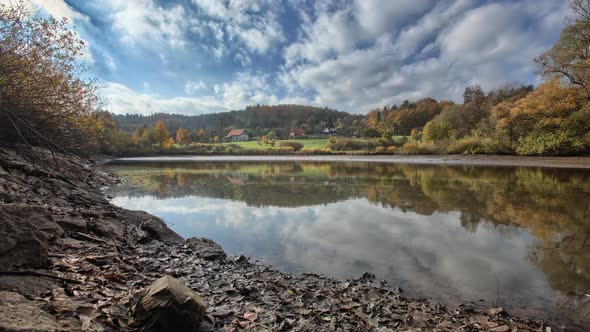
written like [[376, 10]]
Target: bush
[[414, 148], [371, 132], [436, 131], [542, 143], [46, 94], [296, 146], [380, 149], [474, 145], [313, 151], [392, 149], [349, 145]]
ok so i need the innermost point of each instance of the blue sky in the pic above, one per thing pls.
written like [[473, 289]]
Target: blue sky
[[202, 56]]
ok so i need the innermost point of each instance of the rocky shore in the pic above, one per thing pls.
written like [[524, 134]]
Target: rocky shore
[[71, 261]]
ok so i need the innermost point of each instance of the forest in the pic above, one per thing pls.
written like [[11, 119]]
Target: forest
[[46, 100]]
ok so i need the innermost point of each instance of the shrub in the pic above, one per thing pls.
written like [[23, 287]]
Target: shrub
[[371, 132], [46, 94], [474, 145], [391, 149], [436, 131], [314, 151], [296, 146], [414, 148], [416, 134], [350, 145], [387, 135], [380, 149], [542, 143]]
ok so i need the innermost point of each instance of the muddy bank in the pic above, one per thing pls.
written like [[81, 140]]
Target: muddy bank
[[554, 162], [71, 261]]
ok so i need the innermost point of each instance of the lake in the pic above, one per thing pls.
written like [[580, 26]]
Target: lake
[[514, 237]]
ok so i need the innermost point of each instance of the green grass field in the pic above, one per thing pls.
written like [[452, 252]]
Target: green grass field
[[307, 143]]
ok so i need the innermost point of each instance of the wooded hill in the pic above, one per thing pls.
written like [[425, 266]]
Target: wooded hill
[[314, 119]]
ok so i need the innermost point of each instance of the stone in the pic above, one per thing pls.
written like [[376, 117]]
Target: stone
[[71, 223], [31, 286], [497, 311], [169, 305], [205, 248], [502, 328], [154, 227], [19, 314], [22, 244], [36, 215]]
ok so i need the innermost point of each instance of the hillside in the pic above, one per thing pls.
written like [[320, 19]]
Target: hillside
[[315, 119]]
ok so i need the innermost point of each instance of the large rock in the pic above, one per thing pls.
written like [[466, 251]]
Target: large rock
[[168, 305], [19, 314], [22, 244], [205, 248], [152, 228], [36, 215]]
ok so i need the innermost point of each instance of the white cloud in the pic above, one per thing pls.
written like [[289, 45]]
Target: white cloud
[[246, 89], [145, 21], [123, 100], [449, 47], [242, 21], [110, 63], [191, 87], [59, 9]]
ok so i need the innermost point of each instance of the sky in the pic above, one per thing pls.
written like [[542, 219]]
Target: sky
[[203, 56]]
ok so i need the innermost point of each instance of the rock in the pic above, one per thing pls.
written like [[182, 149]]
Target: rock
[[70, 223], [108, 228], [502, 328], [496, 311], [205, 248], [22, 244], [19, 314], [36, 215], [154, 227], [31, 286], [168, 305]]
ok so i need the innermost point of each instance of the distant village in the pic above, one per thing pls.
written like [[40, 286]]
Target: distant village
[[241, 134]]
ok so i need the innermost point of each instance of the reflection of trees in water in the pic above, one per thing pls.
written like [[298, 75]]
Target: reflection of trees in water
[[550, 204]]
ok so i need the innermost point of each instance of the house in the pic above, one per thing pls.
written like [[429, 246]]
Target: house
[[236, 135], [297, 133]]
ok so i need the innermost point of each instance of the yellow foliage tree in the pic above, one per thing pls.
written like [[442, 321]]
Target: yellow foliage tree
[[168, 143], [183, 136], [161, 132], [545, 108], [44, 97]]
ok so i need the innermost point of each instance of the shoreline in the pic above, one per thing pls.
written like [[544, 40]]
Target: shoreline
[[92, 260], [451, 160]]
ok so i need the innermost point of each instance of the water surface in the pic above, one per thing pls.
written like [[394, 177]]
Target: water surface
[[455, 233]]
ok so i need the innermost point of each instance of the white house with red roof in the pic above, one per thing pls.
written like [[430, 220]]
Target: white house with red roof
[[236, 135]]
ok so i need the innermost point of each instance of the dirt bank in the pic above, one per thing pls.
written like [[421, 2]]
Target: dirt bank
[[556, 162], [71, 261]]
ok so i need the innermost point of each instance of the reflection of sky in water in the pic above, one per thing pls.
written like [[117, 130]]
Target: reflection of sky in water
[[431, 255]]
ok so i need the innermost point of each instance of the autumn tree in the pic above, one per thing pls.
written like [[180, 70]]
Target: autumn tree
[[569, 58], [44, 99], [168, 143], [202, 135], [183, 136], [546, 121], [161, 133]]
